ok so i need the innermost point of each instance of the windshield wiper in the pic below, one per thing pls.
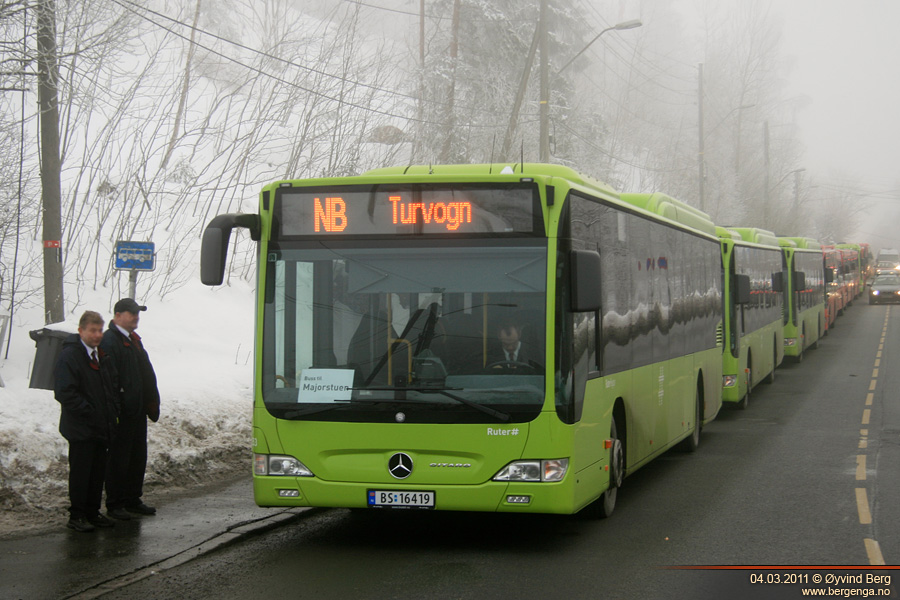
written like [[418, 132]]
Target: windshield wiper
[[444, 392], [292, 414]]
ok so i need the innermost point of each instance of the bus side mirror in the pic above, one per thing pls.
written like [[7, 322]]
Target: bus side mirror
[[799, 281], [829, 275], [584, 280], [741, 289], [778, 281], [214, 245]]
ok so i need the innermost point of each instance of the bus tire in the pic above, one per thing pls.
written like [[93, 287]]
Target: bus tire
[[604, 506], [770, 378], [692, 442], [745, 401]]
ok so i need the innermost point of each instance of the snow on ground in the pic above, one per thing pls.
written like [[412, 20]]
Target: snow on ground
[[200, 343]]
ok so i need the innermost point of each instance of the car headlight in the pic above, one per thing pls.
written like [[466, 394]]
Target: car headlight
[[277, 464], [875, 292], [534, 470]]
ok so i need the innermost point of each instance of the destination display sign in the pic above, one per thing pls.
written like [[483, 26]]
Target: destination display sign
[[413, 209]]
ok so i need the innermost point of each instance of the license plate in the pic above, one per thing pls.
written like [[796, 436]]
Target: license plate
[[400, 499]]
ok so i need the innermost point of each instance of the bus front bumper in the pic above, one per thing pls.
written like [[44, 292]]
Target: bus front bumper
[[492, 496]]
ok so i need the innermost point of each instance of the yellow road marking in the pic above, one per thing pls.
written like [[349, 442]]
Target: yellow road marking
[[872, 385], [863, 444], [869, 397], [860, 467], [874, 552], [862, 507], [867, 413], [874, 373], [864, 432]]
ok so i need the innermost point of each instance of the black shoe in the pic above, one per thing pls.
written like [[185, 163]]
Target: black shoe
[[141, 509], [79, 524], [118, 513], [99, 520]]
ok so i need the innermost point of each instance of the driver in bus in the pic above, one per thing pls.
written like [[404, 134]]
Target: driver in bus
[[512, 348]]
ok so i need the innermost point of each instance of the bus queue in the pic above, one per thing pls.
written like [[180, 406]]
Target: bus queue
[[507, 337]]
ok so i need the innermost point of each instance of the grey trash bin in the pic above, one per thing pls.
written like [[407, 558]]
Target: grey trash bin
[[49, 344]]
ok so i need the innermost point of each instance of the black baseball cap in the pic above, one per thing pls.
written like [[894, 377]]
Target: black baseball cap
[[128, 305]]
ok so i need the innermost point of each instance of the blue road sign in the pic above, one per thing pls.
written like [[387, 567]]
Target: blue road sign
[[138, 256]]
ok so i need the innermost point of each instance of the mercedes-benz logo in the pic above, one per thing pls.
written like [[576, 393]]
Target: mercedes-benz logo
[[400, 465]]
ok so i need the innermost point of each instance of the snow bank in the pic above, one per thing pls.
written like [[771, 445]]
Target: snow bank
[[200, 343]]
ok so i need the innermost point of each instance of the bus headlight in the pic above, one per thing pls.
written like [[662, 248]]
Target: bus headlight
[[276, 464], [534, 470], [729, 380], [790, 341]]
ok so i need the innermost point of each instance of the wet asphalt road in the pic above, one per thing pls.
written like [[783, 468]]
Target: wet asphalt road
[[778, 484]]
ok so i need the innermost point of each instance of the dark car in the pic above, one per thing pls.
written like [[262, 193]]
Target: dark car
[[885, 288], [886, 267]]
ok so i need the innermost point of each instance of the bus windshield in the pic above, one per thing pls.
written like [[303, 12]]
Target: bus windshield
[[433, 332]]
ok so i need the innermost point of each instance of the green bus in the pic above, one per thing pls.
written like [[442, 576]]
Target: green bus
[[474, 337], [804, 294], [754, 329], [858, 266]]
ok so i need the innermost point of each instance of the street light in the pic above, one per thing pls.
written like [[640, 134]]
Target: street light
[[545, 83], [618, 27], [785, 176]]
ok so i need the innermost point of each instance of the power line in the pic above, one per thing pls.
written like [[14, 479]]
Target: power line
[[433, 16], [618, 158], [133, 5], [260, 71]]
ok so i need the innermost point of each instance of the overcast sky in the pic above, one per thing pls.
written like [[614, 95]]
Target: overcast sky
[[848, 63]]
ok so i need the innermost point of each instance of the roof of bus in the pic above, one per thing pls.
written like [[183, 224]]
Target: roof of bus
[[491, 169], [727, 234], [656, 203], [799, 242], [672, 209], [756, 235]]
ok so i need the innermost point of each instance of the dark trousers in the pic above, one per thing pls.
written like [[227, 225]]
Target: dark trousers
[[127, 463], [87, 467]]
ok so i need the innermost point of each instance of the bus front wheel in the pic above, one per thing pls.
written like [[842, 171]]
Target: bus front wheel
[[692, 442], [603, 506]]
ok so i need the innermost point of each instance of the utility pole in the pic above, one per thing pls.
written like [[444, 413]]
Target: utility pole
[[447, 149], [520, 96], [420, 110], [51, 188], [545, 86], [701, 159], [765, 222]]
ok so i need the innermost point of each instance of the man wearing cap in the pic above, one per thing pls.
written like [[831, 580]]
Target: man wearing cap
[[139, 398]]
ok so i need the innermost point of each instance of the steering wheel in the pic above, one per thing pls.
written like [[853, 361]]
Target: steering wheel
[[511, 366]]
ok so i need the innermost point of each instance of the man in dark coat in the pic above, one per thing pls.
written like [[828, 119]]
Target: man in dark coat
[[139, 399], [84, 387]]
